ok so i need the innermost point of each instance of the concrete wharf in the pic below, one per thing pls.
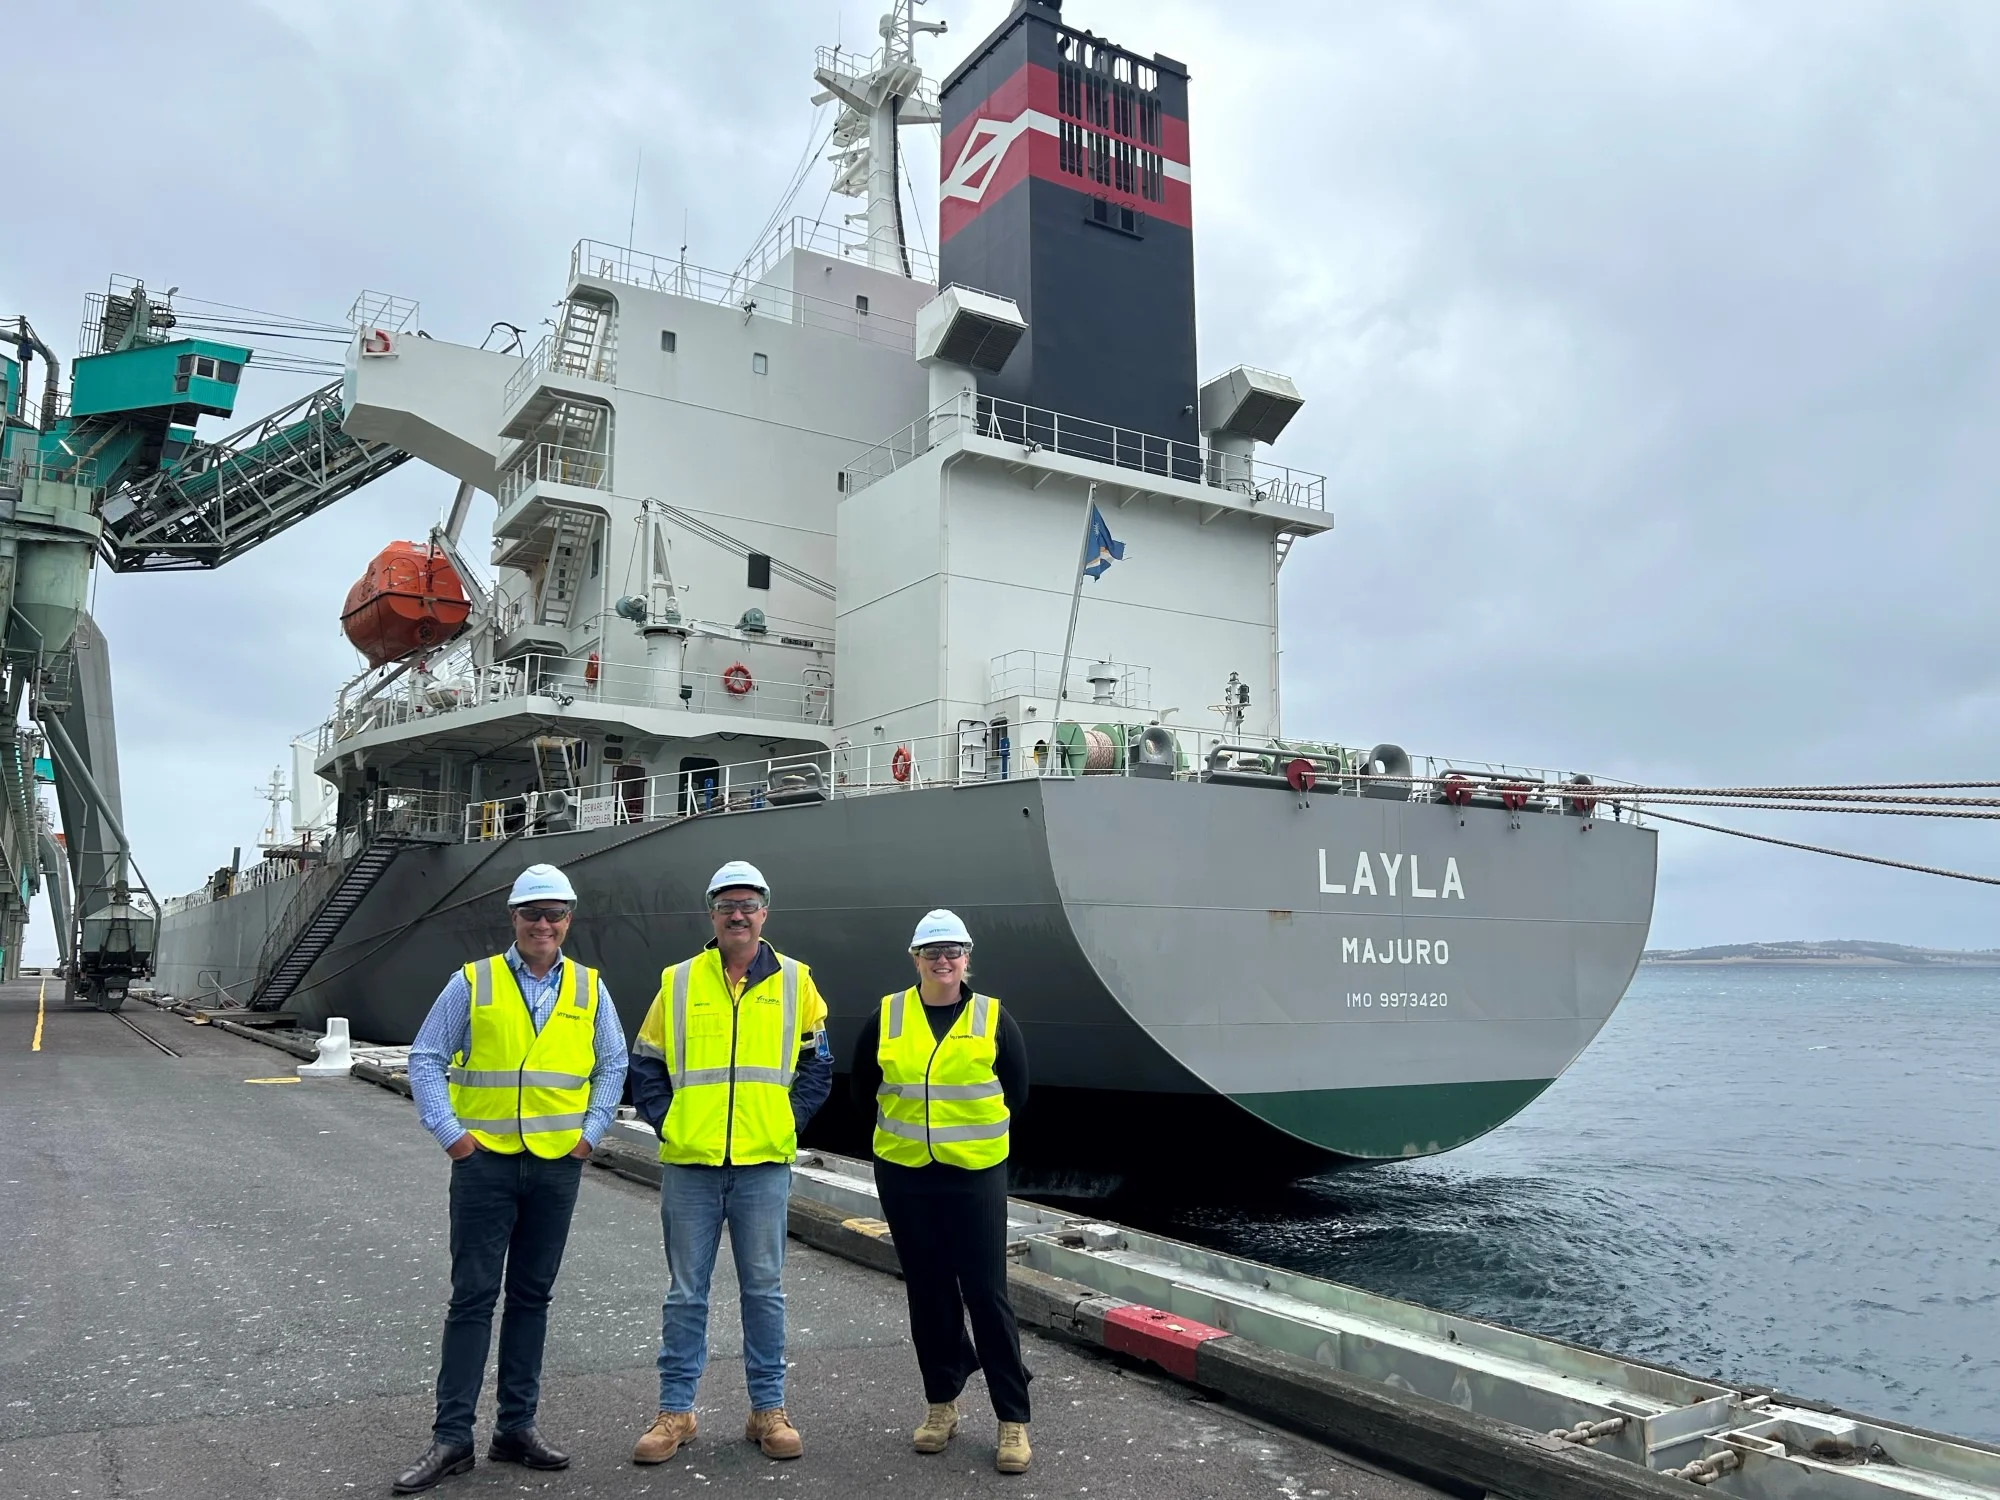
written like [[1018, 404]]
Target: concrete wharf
[[230, 1289]]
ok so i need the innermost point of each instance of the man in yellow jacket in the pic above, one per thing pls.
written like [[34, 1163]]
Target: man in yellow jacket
[[730, 1063], [517, 1072]]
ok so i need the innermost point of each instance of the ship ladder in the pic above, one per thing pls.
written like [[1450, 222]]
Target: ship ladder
[[320, 932], [553, 764]]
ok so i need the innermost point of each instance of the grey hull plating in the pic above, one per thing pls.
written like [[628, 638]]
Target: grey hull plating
[[1187, 978]]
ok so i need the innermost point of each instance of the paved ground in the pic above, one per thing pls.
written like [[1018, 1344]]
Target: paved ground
[[216, 1287]]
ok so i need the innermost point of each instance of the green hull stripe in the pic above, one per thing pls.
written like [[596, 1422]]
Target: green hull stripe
[[1382, 1123]]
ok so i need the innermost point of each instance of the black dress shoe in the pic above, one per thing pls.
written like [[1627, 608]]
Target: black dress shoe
[[440, 1461], [527, 1448]]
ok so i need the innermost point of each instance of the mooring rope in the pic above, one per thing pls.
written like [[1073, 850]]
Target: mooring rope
[[1867, 859]]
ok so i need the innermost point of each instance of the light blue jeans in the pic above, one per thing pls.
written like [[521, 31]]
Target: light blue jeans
[[695, 1202]]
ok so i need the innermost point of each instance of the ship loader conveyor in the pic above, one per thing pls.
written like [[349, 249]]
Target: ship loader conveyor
[[223, 498], [115, 471]]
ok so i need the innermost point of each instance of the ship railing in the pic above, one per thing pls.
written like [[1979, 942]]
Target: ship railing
[[416, 814], [753, 296], [856, 66], [1034, 674], [841, 241], [1037, 429], [383, 310], [454, 684], [554, 463], [551, 357], [264, 872], [1047, 751]]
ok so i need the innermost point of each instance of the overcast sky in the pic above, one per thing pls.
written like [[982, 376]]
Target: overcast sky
[[1648, 350]]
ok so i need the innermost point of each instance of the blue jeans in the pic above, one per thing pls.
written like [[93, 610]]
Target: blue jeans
[[695, 1202], [509, 1223]]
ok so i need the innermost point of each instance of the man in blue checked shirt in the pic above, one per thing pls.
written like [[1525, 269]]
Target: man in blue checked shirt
[[517, 1071]]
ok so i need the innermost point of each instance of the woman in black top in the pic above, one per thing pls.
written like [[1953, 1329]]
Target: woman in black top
[[949, 1223]]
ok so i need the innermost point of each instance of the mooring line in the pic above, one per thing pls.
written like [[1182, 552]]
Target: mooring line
[[1866, 859]]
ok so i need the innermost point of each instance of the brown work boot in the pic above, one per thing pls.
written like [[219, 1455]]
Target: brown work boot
[[939, 1424], [671, 1431], [1012, 1456], [773, 1431]]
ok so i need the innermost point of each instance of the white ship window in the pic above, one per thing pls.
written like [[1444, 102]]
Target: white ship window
[[596, 556], [666, 341], [861, 304], [760, 364], [760, 571]]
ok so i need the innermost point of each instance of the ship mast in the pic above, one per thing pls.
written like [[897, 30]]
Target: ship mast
[[876, 95], [274, 792]]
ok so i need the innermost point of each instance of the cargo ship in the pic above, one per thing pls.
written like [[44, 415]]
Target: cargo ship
[[926, 583]]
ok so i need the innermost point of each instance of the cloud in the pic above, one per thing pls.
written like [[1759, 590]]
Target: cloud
[[1647, 349]]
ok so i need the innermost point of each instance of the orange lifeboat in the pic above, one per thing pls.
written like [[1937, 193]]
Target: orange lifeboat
[[409, 598]]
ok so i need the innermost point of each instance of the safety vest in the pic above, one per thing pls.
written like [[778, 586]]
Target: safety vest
[[514, 1088], [731, 1060], [940, 1099]]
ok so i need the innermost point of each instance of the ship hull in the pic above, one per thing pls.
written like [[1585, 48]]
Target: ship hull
[[1203, 973]]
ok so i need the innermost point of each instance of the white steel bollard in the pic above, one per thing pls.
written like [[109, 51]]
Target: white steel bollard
[[335, 1060]]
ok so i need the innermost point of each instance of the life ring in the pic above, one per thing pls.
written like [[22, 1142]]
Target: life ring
[[590, 670], [737, 679], [899, 763]]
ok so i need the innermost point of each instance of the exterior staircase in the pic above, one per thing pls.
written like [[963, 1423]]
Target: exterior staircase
[[319, 933], [553, 765], [583, 345], [564, 572]]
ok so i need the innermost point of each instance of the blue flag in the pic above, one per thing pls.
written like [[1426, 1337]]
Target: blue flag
[[1099, 550]]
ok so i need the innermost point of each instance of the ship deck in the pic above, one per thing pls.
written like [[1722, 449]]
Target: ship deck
[[230, 1288]]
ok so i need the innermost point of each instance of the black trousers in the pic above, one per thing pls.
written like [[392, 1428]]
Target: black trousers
[[950, 1229], [509, 1223]]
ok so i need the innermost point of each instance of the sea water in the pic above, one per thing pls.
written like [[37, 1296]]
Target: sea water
[[1780, 1175]]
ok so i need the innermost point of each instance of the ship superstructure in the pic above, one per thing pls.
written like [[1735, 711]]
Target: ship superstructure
[[789, 564]]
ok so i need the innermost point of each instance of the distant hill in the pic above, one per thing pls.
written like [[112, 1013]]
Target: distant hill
[[1845, 953]]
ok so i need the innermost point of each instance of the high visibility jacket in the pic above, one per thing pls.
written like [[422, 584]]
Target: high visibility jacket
[[940, 1099], [515, 1088], [731, 1058]]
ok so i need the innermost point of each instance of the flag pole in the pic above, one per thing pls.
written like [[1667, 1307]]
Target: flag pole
[[1075, 597]]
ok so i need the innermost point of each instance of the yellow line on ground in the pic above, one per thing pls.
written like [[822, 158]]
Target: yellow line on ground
[[271, 1080], [41, 1002]]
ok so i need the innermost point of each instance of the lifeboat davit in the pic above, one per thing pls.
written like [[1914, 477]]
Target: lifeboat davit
[[410, 598]]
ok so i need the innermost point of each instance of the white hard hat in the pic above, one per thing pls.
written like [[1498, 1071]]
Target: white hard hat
[[940, 926], [541, 883], [738, 872]]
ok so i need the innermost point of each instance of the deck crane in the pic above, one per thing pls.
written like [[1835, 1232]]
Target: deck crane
[[116, 473]]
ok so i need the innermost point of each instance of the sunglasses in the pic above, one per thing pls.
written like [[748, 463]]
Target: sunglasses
[[944, 950], [553, 915], [748, 906]]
